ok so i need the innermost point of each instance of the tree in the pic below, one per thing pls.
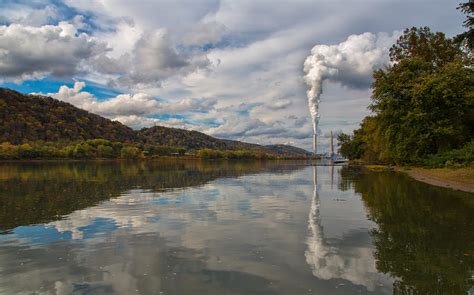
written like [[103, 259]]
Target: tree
[[467, 37], [422, 44], [349, 147], [130, 152], [84, 150], [105, 151], [423, 103]]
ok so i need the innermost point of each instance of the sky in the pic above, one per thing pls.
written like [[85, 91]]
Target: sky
[[231, 69]]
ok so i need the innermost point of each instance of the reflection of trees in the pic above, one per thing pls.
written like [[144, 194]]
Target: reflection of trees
[[42, 192], [425, 234]]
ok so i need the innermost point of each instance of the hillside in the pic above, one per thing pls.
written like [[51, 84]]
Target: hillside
[[288, 150], [31, 118], [27, 118], [194, 140]]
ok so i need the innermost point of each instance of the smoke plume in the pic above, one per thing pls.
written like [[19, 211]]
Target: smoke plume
[[349, 63]]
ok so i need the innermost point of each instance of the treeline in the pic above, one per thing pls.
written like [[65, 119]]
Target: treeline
[[248, 154], [105, 149], [89, 149], [422, 105], [242, 154]]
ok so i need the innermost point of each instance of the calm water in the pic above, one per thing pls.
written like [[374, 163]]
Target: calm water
[[229, 228]]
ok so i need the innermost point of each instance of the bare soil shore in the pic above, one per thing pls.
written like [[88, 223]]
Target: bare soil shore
[[461, 179]]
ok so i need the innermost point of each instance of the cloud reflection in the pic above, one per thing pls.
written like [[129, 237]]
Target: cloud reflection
[[356, 264]]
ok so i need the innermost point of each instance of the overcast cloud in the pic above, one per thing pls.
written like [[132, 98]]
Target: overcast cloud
[[232, 69]]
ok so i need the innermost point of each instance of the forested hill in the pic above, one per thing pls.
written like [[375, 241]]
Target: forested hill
[[29, 118], [288, 150], [32, 118], [194, 140]]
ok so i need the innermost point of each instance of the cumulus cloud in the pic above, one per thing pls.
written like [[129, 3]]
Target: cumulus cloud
[[139, 122], [235, 127], [205, 33], [128, 56], [279, 104], [131, 109], [152, 60], [38, 17], [251, 129], [28, 52], [23, 14]]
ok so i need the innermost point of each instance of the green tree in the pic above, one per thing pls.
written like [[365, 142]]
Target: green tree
[[423, 103], [9, 151], [467, 37], [84, 150], [348, 147], [424, 45], [26, 151], [130, 152], [105, 151]]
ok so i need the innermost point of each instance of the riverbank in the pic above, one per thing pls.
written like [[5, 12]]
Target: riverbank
[[461, 179]]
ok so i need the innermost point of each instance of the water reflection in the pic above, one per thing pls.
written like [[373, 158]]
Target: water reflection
[[424, 236], [222, 228], [355, 263], [40, 192]]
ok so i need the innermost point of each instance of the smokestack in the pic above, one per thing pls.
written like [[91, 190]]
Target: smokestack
[[315, 144], [332, 146]]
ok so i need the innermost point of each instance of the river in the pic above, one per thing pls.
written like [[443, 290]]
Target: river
[[192, 227]]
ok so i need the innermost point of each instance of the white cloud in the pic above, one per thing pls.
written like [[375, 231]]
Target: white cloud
[[28, 52], [145, 58], [132, 110], [138, 122], [155, 59], [204, 33], [26, 15]]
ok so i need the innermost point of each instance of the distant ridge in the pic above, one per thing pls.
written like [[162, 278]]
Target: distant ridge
[[29, 118]]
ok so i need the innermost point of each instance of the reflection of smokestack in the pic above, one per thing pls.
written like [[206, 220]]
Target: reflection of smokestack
[[315, 144], [332, 175]]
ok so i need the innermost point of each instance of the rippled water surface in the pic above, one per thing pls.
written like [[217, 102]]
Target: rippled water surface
[[176, 227]]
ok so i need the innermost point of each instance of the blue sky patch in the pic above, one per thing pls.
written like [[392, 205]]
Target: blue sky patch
[[98, 226], [48, 85], [41, 234]]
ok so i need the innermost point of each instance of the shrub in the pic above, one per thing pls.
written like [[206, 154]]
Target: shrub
[[453, 158], [130, 152], [105, 151]]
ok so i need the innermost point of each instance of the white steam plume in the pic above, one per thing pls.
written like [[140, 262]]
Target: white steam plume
[[349, 63]]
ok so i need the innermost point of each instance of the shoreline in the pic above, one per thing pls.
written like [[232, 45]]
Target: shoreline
[[145, 159], [461, 179]]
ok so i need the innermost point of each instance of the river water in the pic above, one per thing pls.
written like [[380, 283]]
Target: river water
[[191, 227]]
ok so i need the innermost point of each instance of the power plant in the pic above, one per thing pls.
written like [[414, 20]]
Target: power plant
[[315, 145], [331, 155]]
